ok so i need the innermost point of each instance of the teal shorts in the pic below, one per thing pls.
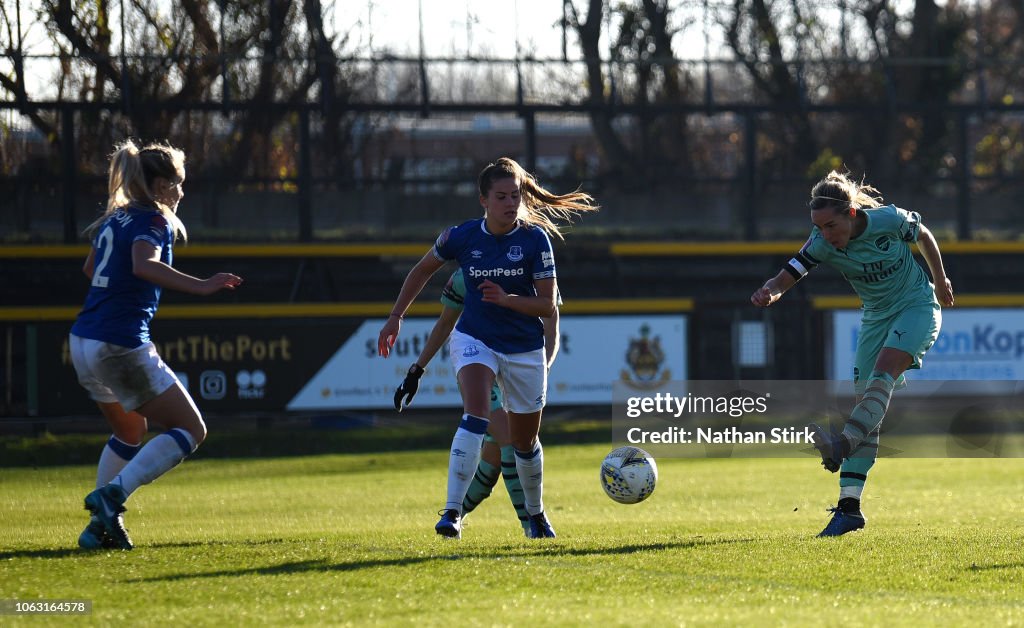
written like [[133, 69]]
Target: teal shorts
[[497, 400], [912, 331]]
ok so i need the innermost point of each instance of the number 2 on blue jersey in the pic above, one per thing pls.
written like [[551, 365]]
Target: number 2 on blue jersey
[[104, 246]]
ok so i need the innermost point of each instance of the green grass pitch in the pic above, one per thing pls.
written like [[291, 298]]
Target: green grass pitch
[[348, 540]]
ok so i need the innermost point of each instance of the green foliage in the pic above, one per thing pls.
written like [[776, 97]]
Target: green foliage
[[348, 540], [998, 153], [826, 162]]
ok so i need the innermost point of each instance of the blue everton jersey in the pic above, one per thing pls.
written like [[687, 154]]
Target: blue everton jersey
[[119, 305], [513, 261]]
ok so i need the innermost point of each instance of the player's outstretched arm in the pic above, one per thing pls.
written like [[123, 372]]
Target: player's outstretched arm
[[773, 289], [930, 250], [146, 265], [443, 327], [411, 288]]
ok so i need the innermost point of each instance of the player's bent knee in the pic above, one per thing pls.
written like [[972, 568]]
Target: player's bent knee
[[198, 431], [130, 435], [524, 444]]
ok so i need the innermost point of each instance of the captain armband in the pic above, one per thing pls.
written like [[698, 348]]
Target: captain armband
[[797, 268], [801, 264]]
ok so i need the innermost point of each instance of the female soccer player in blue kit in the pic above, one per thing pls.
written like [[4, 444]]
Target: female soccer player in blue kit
[[902, 311], [497, 455], [509, 269], [129, 263]]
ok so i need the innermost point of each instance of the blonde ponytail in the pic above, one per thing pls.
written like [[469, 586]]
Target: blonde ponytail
[[131, 175]]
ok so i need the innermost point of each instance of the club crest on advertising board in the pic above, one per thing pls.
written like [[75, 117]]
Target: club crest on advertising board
[[644, 358]]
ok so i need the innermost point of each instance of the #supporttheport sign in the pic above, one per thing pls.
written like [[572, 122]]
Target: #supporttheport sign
[[228, 366]]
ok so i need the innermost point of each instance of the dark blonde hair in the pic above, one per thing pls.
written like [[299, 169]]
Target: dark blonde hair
[[840, 192], [131, 176], [539, 205]]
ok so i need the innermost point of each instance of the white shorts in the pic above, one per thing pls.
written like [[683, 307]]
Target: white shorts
[[114, 373], [523, 377]]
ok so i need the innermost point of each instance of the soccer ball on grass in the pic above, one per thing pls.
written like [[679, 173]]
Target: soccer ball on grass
[[628, 475]]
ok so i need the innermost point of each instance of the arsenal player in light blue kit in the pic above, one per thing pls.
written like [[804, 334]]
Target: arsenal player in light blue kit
[[869, 243]]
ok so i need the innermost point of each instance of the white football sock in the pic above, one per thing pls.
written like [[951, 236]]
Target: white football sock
[[530, 466], [464, 458], [156, 458], [116, 454], [851, 491]]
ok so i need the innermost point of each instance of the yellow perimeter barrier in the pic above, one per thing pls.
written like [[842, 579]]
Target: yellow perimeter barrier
[[621, 249], [368, 309]]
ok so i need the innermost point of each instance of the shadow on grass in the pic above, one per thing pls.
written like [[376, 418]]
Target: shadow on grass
[[49, 450], [996, 566], [513, 552], [58, 552], [76, 552]]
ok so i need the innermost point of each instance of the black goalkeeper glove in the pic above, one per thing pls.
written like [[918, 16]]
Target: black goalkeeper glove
[[409, 387]]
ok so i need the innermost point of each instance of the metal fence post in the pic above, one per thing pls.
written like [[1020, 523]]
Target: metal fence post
[[963, 184], [750, 183], [68, 178], [305, 179]]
